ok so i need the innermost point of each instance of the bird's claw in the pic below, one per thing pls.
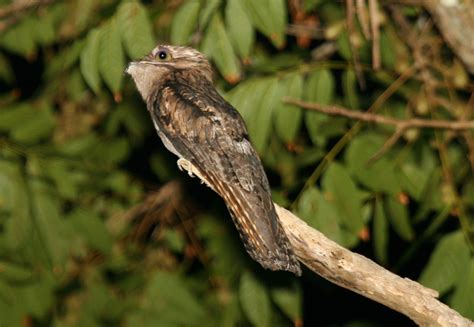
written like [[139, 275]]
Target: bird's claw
[[184, 164]]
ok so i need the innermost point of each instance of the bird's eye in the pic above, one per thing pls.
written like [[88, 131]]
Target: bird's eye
[[162, 55]]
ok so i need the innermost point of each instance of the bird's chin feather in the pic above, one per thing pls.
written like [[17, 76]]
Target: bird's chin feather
[[145, 75]]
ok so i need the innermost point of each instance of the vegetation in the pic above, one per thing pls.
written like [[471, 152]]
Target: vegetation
[[98, 227]]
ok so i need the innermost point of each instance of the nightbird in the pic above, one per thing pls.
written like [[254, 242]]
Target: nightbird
[[196, 124]]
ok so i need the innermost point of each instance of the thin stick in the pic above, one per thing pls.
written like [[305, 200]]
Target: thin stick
[[12, 12], [352, 33], [363, 18], [379, 119], [21, 5], [375, 24], [359, 274]]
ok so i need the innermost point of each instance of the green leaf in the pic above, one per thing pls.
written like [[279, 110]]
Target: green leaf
[[309, 157], [174, 239], [468, 193], [463, 297], [239, 27], [320, 214], [21, 302], [65, 177], [224, 246], [274, 63], [398, 217], [379, 175], [269, 17], [6, 71], [14, 200], [414, 179], [76, 86], [288, 117], [53, 233], [83, 13], [254, 300], [64, 60], [20, 38], [289, 299], [135, 28], [79, 146], [319, 88], [342, 193], [39, 125], [184, 22], [91, 229], [311, 4], [12, 116], [387, 50], [447, 263], [90, 60], [208, 11], [218, 46], [44, 28], [260, 129], [168, 297], [344, 46], [232, 314], [255, 99], [28, 296], [111, 57], [380, 232], [134, 119], [162, 167], [112, 151], [14, 272], [244, 97], [349, 83]]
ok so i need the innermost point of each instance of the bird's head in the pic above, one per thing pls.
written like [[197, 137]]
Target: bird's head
[[148, 72]]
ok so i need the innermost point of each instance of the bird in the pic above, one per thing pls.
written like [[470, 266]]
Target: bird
[[201, 128]]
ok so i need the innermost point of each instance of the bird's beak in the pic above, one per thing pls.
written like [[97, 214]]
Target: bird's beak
[[130, 67], [147, 60]]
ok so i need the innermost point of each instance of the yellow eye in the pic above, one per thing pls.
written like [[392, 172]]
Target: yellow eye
[[162, 55]]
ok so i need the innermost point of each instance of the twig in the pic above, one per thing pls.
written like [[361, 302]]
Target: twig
[[361, 275], [363, 18], [12, 12], [342, 142], [323, 51], [400, 124], [304, 30], [21, 5], [352, 34], [374, 118], [392, 140], [375, 24]]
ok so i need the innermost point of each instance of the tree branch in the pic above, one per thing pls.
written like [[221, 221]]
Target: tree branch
[[374, 118], [363, 276], [21, 5], [12, 12], [455, 19], [358, 273]]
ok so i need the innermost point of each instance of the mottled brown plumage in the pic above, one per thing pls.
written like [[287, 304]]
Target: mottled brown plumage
[[197, 124]]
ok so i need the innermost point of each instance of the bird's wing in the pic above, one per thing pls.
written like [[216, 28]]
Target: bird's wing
[[208, 132]]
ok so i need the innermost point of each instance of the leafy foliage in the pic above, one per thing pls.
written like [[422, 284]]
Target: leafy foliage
[[86, 240]]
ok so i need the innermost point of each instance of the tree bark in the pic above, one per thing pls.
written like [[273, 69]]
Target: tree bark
[[363, 276], [455, 20], [358, 273]]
